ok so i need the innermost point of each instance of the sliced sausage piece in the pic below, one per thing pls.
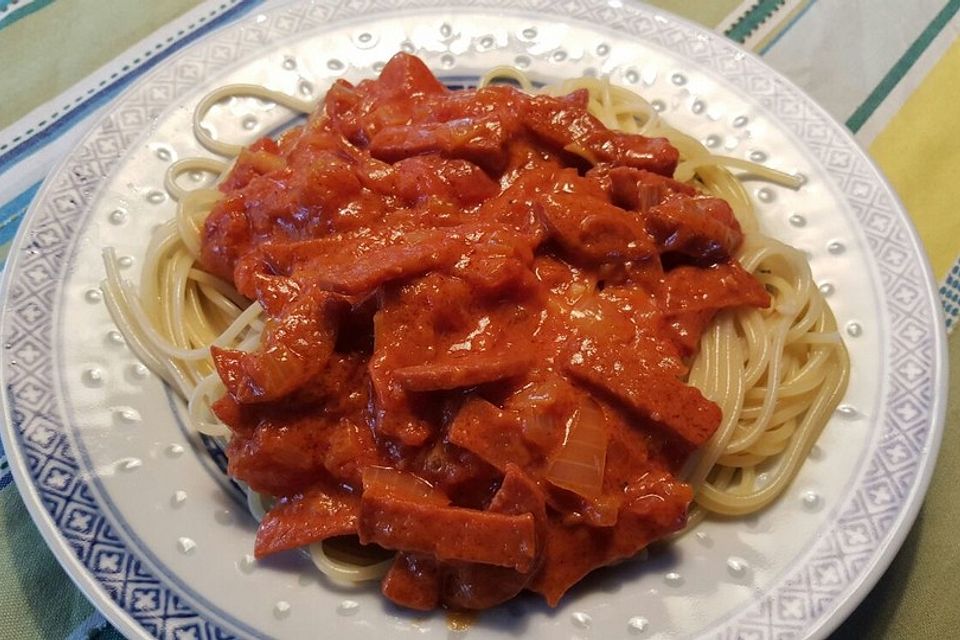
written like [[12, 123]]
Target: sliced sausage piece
[[639, 190], [465, 371], [406, 328], [680, 409], [519, 494], [482, 140], [559, 122], [453, 180], [687, 289], [275, 292], [571, 552], [686, 327], [514, 206], [449, 533], [413, 581], [481, 586], [407, 76], [389, 99], [567, 125], [294, 349], [632, 150], [484, 430], [432, 250], [591, 230], [306, 518], [284, 454], [702, 228], [356, 265]]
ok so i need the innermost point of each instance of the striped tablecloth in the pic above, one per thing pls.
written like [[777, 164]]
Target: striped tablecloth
[[888, 69]]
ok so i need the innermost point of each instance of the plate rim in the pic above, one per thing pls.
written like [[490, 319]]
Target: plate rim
[[881, 561], [881, 555]]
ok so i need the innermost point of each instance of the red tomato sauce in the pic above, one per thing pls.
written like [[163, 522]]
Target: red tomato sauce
[[480, 308]]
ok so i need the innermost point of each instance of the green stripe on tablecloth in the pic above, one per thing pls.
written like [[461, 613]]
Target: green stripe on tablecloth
[[709, 14], [23, 12], [37, 600], [902, 66], [89, 35], [752, 19]]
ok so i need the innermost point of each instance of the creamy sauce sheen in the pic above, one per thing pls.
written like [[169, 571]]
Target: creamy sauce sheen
[[480, 308]]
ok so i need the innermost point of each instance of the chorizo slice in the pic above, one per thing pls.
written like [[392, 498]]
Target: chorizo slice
[[295, 347], [464, 371], [481, 586], [679, 408], [702, 228], [303, 519], [449, 533], [484, 430], [413, 581]]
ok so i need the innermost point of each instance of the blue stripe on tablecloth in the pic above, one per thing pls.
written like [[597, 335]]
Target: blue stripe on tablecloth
[[12, 212], [950, 295], [788, 26], [23, 11], [5, 476], [109, 91], [10, 216]]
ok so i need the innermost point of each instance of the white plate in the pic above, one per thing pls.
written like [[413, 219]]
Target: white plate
[[142, 519]]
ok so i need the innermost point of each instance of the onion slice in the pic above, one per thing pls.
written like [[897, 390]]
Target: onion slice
[[579, 464], [401, 485]]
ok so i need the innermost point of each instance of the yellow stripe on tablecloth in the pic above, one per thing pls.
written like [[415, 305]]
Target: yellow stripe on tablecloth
[[49, 51], [919, 152], [709, 14]]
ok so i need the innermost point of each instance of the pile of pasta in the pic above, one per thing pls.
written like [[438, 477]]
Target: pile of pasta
[[512, 333]]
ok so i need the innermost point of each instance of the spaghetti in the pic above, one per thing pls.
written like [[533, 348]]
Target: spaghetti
[[776, 373]]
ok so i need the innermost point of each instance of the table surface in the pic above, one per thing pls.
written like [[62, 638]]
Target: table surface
[[887, 69]]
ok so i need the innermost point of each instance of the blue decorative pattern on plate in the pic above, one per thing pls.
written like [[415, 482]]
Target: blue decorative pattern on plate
[[136, 512]]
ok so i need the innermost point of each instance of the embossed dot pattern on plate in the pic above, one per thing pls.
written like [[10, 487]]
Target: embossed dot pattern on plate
[[637, 624], [93, 377], [811, 500], [281, 610], [581, 619], [348, 608]]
